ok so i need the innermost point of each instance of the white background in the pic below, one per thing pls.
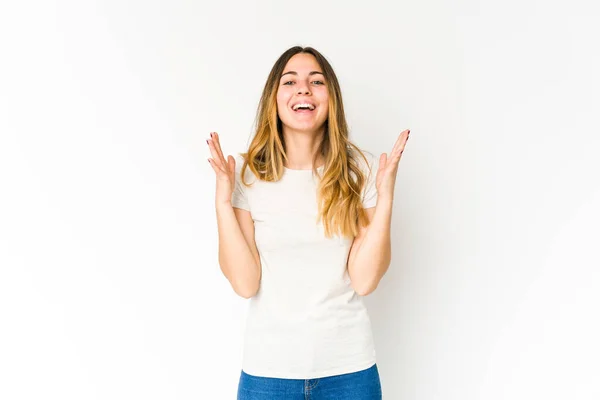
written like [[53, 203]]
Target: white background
[[109, 283]]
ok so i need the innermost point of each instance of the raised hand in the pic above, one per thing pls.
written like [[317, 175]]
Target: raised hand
[[388, 167], [224, 170]]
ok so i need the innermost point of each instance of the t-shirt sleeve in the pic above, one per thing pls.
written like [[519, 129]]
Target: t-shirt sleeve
[[370, 190], [239, 198]]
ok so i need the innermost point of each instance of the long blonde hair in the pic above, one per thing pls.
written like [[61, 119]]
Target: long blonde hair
[[340, 188]]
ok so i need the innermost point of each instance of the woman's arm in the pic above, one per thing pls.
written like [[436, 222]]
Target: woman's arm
[[370, 254], [238, 255], [371, 251]]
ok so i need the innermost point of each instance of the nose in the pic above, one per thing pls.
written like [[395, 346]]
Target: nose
[[303, 88]]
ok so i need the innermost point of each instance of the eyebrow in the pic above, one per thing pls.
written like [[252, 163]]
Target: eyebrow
[[295, 73]]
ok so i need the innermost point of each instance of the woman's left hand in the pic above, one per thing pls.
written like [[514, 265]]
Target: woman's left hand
[[388, 167]]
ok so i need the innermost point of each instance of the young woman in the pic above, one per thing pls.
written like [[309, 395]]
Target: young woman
[[304, 232]]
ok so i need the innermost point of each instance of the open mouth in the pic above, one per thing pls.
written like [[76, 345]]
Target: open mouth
[[304, 108]]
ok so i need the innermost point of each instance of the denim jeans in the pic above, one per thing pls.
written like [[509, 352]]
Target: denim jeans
[[360, 385]]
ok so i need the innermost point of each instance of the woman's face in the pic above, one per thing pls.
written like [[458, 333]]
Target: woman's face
[[302, 82]]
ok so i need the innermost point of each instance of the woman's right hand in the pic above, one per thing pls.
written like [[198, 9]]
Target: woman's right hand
[[224, 170]]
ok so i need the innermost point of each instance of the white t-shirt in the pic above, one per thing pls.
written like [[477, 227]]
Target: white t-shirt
[[306, 321]]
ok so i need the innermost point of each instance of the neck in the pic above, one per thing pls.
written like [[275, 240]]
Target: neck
[[300, 148]]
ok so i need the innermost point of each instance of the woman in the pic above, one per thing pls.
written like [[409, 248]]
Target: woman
[[304, 232]]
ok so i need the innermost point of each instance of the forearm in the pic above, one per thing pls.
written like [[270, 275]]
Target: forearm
[[374, 255], [235, 258]]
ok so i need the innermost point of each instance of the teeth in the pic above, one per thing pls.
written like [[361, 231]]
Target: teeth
[[306, 105]]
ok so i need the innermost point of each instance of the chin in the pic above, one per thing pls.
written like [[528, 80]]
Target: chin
[[304, 128], [308, 126]]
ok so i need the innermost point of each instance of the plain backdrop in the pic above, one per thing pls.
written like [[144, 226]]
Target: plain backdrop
[[110, 286]]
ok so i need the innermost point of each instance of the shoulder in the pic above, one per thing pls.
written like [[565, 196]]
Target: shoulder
[[370, 164], [239, 164], [369, 168]]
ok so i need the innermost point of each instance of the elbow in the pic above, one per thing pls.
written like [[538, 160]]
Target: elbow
[[364, 287], [244, 283], [247, 290], [246, 293], [365, 278], [367, 285], [365, 290]]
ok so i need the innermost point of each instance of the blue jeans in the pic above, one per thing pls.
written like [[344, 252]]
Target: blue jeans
[[360, 385]]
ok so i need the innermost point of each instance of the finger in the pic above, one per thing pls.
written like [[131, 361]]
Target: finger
[[231, 167], [381, 168], [399, 149], [395, 158], [215, 156], [402, 138], [382, 161], [213, 152], [217, 142], [231, 162], [214, 166]]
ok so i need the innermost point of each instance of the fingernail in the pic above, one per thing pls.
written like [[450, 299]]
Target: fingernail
[[207, 142], [211, 134]]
